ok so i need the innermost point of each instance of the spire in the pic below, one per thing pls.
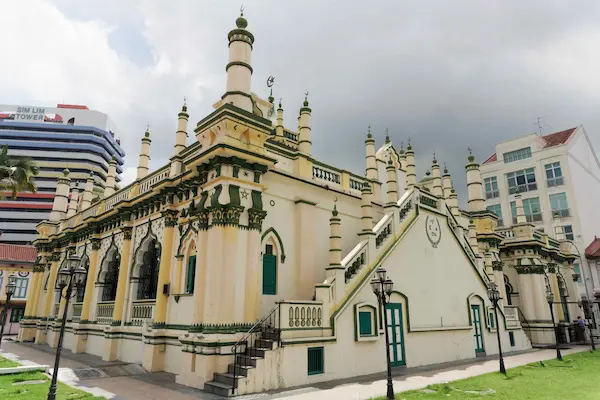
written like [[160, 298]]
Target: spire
[[387, 136], [61, 198], [111, 177], [88, 192], [392, 189], [446, 183], [437, 179], [335, 242], [182, 125], [304, 143], [279, 126], [372, 172], [144, 160], [402, 157], [73, 202], [411, 176], [239, 68], [474, 185]]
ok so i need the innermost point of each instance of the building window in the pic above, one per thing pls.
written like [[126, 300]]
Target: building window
[[191, 274], [316, 361], [531, 209], [517, 155], [560, 207], [554, 175], [148, 281], [21, 289], [365, 323], [497, 209], [577, 270], [521, 181], [568, 231], [81, 290], [491, 188], [111, 278], [491, 319], [16, 314], [269, 271], [511, 337]]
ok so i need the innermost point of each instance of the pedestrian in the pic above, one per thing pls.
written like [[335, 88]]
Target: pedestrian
[[580, 329]]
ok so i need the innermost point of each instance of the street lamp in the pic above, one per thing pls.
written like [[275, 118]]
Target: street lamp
[[587, 310], [72, 276], [382, 288], [494, 296], [10, 290], [550, 299]]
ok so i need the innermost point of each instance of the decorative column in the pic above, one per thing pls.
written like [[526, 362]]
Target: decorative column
[[304, 143], [372, 171], [411, 176], [111, 177], [144, 160], [48, 301], [74, 200], [61, 198], [392, 189], [88, 193], [181, 135], [335, 268], [164, 272], [86, 307], [366, 211], [279, 126], [474, 185], [256, 216], [437, 179], [446, 183], [27, 330]]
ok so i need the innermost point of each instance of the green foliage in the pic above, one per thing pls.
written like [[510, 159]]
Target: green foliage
[[6, 363], [17, 174], [574, 378], [37, 391]]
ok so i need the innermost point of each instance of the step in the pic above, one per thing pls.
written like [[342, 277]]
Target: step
[[246, 360], [255, 352], [228, 378], [241, 370], [264, 344], [270, 335], [219, 388]]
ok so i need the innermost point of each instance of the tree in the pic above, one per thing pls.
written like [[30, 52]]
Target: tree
[[17, 174]]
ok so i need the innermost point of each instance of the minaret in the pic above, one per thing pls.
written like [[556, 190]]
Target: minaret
[[473, 237], [521, 219], [73, 202], [304, 143], [279, 126], [61, 197], [392, 190], [372, 173], [110, 178], [453, 204], [335, 242], [446, 183], [474, 186], [182, 124], [88, 193], [411, 176], [366, 210], [239, 69], [437, 179], [402, 157], [144, 161]]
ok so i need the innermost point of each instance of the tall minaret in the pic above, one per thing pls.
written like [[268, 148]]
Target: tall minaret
[[446, 183], [73, 202], [88, 192], [111, 178], [182, 124], [239, 69], [304, 143], [372, 173], [335, 242], [474, 186], [392, 190], [61, 197], [437, 179], [143, 163], [279, 126], [411, 176]]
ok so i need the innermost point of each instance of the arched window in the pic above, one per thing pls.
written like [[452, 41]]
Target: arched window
[[269, 270], [71, 121], [111, 278], [190, 275], [81, 290], [148, 280], [509, 290]]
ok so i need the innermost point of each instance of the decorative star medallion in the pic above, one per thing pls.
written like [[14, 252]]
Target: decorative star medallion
[[434, 231], [245, 173], [245, 194]]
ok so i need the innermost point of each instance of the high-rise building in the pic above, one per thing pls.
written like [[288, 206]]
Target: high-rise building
[[556, 176], [67, 136]]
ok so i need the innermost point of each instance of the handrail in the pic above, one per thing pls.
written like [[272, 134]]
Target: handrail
[[522, 319], [264, 329]]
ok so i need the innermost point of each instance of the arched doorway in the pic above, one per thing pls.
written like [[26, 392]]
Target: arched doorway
[[148, 272]]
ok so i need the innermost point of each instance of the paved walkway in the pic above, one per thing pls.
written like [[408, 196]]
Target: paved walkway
[[116, 380]]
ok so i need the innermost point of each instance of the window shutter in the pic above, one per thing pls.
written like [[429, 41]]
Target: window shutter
[[364, 323], [191, 274]]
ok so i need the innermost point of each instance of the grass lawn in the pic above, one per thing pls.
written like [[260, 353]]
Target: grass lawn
[[575, 378], [37, 391]]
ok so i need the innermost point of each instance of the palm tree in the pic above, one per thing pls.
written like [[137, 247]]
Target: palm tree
[[17, 174]]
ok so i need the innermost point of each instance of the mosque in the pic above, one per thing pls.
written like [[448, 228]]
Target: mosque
[[244, 264]]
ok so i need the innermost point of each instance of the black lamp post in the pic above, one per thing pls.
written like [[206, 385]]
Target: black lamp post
[[550, 299], [11, 285], [587, 310], [382, 287], [72, 276], [494, 296]]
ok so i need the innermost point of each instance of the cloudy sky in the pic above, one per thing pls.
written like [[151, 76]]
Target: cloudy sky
[[447, 74]]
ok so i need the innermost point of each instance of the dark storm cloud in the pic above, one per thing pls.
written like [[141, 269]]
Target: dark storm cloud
[[446, 74]]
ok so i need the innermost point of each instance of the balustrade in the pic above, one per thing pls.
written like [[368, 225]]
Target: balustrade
[[301, 315], [77, 308], [290, 135], [146, 184], [326, 175], [428, 201], [383, 235], [104, 312], [141, 311], [356, 185]]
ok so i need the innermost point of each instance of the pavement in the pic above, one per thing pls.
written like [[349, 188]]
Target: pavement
[[118, 380]]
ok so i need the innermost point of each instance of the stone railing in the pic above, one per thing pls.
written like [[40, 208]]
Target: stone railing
[[508, 233], [290, 135], [77, 308], [301, 314], [323, 173], [147, 183], [90, 212], [383, 230], [355, 260], [117, 197], [104, 312], [356, 185], [142, 310], [428, 201]]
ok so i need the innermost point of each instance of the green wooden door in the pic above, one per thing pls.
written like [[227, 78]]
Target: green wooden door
[[395, 331], [478, 333], [269, 274]]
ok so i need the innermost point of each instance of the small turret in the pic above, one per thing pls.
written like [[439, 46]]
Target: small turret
[[392, 190], [144, 160], [402, 157], [474, 185], [181, 134], [111, 178], [366, 210], [239, 68], [411, 176], [73, 202], [304, 132], [88, 193], [61, 198], [279, 126], [437, 180], [335, 242], [446, 183]]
